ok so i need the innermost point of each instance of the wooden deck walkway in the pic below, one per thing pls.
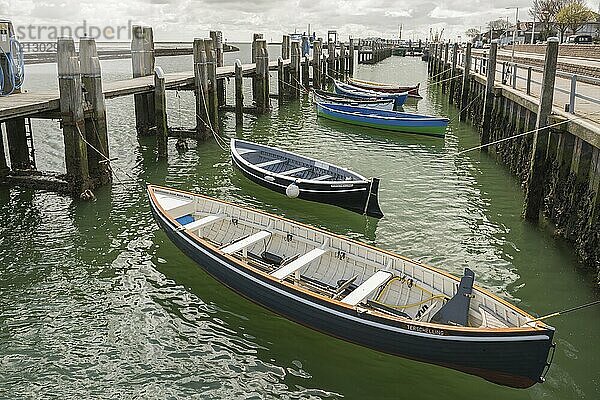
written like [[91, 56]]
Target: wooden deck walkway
[[29, 103]]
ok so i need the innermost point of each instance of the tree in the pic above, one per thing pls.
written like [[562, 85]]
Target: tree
[[544, 12], [574, 15], [499, 24], [472, 32]]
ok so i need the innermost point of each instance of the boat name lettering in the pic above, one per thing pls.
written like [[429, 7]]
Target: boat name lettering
[[289, 237], [269, 178], [234, 221], [424, 329], [340, 255], [342, 185]]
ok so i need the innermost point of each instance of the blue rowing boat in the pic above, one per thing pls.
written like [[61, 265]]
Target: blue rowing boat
[[387, 120], [357, 93]]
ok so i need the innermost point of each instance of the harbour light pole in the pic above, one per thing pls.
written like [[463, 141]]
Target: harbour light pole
[[512, 57]]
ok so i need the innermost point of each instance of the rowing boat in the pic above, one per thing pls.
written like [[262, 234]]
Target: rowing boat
[[306, 178], [387, 120], [357, 292], [354, 92], [322, 96], [413, 91]]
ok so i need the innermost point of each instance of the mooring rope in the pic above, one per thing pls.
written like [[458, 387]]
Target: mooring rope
[[216, 136], [448, 155]]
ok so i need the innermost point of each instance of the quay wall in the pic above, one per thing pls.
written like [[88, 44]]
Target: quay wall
[[571, 172]]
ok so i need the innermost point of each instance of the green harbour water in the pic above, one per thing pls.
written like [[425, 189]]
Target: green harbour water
[[96, 302]]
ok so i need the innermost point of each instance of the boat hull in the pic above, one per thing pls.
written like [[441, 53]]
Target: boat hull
[[413, 91], [422, 126], [353, 197], [377, 104], [515, 360], [399, 98]]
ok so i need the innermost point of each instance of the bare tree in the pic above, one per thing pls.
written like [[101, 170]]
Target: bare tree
[[472, 32], [499, 24], [545, 11]]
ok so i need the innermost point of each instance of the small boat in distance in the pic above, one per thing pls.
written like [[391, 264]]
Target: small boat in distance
[[413, 91], [356, 292], [322, 96], [306, 178], [387, 120], [352, 91]]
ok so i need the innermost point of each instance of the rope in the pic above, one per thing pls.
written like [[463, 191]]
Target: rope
[[483, 145], [209, 124]]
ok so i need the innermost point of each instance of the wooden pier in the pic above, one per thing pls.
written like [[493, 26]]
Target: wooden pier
[[80, 102], [555, 153]]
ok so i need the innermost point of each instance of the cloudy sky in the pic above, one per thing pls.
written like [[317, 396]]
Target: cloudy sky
[[238, 19]]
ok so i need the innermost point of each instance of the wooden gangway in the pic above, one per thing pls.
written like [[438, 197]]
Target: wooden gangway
[[40, 104]]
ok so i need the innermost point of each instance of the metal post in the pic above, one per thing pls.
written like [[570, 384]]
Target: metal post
[[572, 94]]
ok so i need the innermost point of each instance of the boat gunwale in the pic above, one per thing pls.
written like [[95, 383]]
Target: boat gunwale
[[365, 100], [372, 93], [538, 328], [385, 85], [238, 156]]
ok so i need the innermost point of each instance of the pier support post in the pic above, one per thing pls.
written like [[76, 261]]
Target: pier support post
[[211, 68], [453, 73], [285, 47], [351, 58], [201, 88], [239, 94], [317, 52], [538, 165], [305, 73], [331, 60], [295, 69], [464, 98], [261, 97], [444, 68], [217, 38], [142, 59], [4, 170], [162, 130], [96, 131], [16, 135], [71, 109], [488, 105], [343, 71], [280, 81], [255, 38]]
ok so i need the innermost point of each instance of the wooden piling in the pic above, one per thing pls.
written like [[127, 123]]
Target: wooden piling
[[453, 73], [96, 131], [239, 94], [305, 73], [342, 68], [444, 76], [162, 130], [285, 47], [317, 53], [538, 164], [280, 81], [16, 135], [201, 88], [295, 69], [217, 38], [351, 58], [260, 95], [255, 38], [211, 68], [488, 104], [4, 170], [464, 98], [331, 60], [142, 59], [73, 123]]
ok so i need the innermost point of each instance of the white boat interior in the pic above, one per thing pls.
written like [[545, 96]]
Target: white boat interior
[[290, 165], [358, 275]]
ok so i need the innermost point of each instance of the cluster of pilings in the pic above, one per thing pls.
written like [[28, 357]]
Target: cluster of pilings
[[373, 51], [559, 163], [82, 111]]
